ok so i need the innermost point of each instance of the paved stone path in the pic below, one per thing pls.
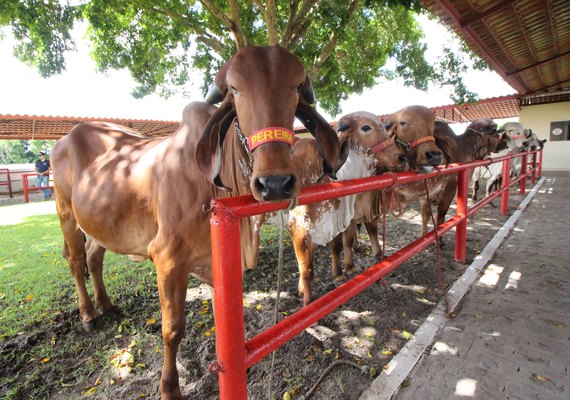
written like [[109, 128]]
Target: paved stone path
[[511, 337]]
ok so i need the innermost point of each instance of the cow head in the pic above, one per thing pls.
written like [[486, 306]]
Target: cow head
[[488, 138], [534, 142], [365, 132], [412, 128], [264, 88], [517, 136]]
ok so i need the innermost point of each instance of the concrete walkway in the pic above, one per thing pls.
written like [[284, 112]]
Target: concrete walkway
[[510, 338]]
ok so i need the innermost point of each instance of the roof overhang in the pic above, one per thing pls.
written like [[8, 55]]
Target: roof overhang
[[25, 127], [527, 42]]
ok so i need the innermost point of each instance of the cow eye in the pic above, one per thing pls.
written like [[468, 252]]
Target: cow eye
[[234, 90], [300, 88], [366, 128]]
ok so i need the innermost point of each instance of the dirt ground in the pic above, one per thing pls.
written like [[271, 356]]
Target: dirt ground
[[366, 331]]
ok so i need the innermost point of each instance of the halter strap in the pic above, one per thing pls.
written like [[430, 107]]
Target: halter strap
[[271, 134], [382, 146], [416, 143]]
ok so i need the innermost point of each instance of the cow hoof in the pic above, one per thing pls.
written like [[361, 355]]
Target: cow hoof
[[113, 311], [89, 326], [350, 271]]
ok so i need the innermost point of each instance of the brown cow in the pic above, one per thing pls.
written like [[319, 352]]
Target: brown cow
[[145, 197], [478, 141], [319, 223], [412, 128]]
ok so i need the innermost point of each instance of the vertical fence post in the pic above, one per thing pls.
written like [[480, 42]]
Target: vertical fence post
[[25, 185], [228, 304], [461, 228], [506, 181], [533, 166], [540, 164], [524, 171]]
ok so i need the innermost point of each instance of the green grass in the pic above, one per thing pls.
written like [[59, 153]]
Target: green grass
[[36, 285]]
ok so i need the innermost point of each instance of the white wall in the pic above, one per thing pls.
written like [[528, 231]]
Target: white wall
[[556, 155], [16, 171]]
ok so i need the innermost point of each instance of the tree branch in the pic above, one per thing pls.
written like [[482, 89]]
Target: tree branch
[[233, 26], [293, 5], [300, 23], [331, 44], [271, 22], [239, 35]]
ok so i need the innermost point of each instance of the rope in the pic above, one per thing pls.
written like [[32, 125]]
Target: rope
[[437, 253], [277, 298], [363, 368]]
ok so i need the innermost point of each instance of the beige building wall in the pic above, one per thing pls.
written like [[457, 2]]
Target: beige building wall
[[556, 155]]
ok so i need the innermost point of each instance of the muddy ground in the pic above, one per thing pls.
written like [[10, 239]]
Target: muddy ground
[[123, 358]]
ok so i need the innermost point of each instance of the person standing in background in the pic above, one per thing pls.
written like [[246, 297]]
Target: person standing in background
[[43, 168]]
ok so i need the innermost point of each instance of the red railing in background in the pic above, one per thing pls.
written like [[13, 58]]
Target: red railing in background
[[7, 182], [234, 354], [28, 188]]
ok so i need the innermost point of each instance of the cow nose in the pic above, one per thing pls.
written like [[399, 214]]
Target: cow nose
[[275, 187], [433, 157]]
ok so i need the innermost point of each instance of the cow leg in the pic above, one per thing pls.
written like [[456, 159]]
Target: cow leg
[[475, 189], [305, 252], [172, 284], [372, 229], [95, 255], [336, 248], [74, 252], [426, 215], [347, 242]]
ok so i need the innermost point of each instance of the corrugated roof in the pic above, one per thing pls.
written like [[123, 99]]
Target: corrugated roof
[[527, 42], [54, 127], [25, 127]]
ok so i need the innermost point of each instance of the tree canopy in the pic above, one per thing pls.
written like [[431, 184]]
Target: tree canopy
[[344, 44]]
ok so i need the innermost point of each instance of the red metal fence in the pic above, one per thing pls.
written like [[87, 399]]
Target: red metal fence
[[235, 354], [28, 188], [7, 182]]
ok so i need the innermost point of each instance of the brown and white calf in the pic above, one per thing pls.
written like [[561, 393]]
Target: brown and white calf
[[317, 224]]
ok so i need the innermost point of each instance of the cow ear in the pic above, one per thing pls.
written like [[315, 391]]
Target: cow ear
[[334, 155], [390, 127], [307, 91], [209, 147], [443, 147]]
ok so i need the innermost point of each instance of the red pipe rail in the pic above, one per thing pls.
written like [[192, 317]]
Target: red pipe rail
[[7, 182], [235, 355], [28, 188]]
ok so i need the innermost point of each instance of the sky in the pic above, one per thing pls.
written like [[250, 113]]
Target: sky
[[83, 92]]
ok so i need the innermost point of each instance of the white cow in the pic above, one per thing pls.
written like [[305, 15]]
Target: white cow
[[517, 141]]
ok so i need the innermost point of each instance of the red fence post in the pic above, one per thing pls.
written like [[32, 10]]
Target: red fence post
[[25, 185], [540, 164], [461, 228], [533, 166], [506, 181], [228, 303], [524, 171], [7, 182]]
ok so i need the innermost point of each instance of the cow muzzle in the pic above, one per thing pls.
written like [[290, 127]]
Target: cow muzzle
[[275, 187]]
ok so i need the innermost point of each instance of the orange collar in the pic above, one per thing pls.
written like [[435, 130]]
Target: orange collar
[[382, 146], [272, 134]]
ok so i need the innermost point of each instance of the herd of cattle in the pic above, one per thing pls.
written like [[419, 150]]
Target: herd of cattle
[[147, 197]]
